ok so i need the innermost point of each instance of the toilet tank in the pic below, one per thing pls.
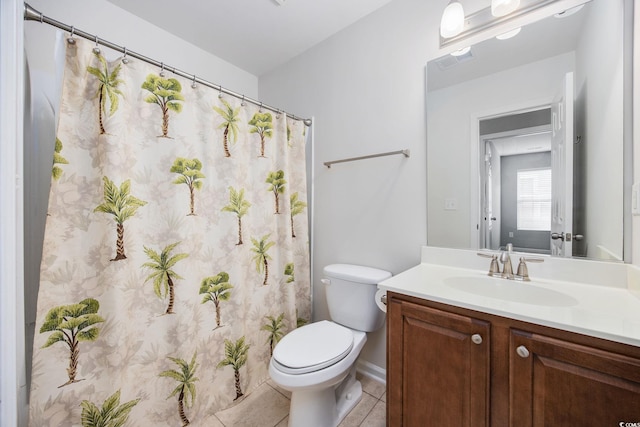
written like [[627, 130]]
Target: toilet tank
[[350, 291]]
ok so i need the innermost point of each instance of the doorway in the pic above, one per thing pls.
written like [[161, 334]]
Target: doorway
[[516, 181]]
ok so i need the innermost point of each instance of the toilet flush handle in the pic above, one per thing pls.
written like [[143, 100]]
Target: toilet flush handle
[[325, 281]]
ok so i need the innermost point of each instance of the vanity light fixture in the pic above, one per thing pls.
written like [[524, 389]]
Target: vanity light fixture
[[509, 34], [503, 7], [484, 20], [452, 22]]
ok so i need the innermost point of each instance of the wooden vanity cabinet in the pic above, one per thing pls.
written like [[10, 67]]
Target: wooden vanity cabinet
[[556, 383], [438, 367], [449, 366]]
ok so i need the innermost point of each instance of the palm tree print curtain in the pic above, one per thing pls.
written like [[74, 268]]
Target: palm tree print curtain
[[176, 248]]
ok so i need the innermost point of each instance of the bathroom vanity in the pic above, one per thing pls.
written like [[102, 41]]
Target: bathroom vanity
[[506, 353]]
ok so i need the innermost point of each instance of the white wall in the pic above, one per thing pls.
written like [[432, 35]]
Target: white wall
[[635, 238], [600, 77], [365, 88], [451, 111]]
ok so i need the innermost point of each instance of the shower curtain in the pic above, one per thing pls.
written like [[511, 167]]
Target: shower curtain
[[176, 251]]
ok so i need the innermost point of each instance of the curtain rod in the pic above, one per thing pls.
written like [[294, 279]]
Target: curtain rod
[[31, 14]]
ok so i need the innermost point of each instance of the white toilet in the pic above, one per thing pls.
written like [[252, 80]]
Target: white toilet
[[316, 362]]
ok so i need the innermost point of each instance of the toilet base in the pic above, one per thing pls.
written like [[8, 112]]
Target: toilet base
[[348, 400], [325, 408]]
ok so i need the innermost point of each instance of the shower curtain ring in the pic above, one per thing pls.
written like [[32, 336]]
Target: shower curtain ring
[[162, 73], [242, 102], [96, 49], [260, 110], [193, 84], [278, 114], [220, 91], [71, 40], [125, 60]]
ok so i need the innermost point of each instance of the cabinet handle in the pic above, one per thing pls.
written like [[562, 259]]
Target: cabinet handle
[[476, 338], [522, 351]]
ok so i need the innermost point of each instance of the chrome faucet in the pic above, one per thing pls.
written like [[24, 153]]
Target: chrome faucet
[[505, 259], [507, 270]]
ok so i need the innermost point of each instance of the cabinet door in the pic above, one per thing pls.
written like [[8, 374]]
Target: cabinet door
[[558, 383], [438, 367]]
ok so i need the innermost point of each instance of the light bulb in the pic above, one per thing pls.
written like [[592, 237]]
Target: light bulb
[[452, 21], [503, 7]]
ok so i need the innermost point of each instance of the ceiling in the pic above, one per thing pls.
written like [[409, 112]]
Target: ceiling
[[255, 35]]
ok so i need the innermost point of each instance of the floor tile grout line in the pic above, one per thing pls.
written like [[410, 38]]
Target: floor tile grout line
[[378, 400], [276, 389]]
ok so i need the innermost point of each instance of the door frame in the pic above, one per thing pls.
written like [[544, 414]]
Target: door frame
[[13, 399], [476, 159]]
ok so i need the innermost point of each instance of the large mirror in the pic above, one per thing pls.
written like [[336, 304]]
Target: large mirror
[[529, 141]]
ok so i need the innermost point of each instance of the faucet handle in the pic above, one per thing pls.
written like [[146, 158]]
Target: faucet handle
[[482, 254], [523, 271], [532, 259], [494, 268]]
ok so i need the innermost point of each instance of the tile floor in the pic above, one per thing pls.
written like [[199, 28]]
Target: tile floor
[[268, 406]]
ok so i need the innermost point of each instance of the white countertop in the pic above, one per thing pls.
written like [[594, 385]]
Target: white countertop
[[607, 312]]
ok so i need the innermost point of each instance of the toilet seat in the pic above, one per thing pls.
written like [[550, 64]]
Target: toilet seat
[[312, 347]]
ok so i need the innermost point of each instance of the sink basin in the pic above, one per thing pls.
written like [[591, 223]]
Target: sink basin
[[510, 290]]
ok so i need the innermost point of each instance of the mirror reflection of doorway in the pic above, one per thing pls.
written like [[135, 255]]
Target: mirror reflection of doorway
[[516, 181]]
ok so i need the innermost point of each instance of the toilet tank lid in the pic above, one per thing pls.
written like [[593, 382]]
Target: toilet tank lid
[[356, 273]]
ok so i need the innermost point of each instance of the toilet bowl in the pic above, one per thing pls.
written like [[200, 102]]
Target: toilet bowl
[[317, 362], [315, 398]]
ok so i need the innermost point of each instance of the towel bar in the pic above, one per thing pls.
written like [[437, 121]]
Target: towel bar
[[405, 152]]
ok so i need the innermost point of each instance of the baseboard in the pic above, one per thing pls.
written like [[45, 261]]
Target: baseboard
[[372, 371]]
